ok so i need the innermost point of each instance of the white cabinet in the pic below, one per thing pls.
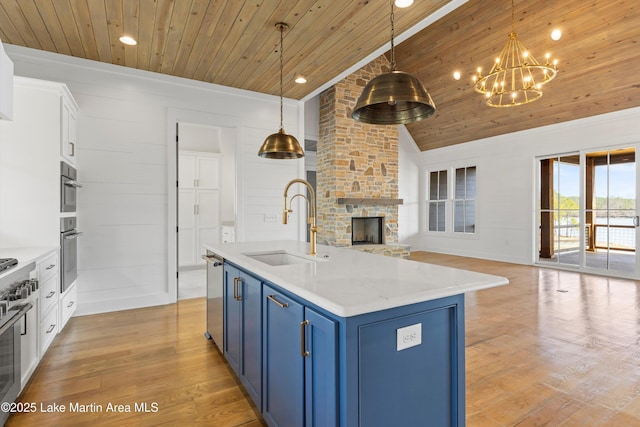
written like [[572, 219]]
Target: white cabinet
[[49, 279], [6, 86], [68, 305], [30, 148], [198, 205], [68, 114]]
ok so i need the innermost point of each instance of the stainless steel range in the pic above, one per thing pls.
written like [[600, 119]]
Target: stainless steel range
[[15, 287]]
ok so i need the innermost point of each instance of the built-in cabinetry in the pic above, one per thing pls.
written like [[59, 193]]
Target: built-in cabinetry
[[6, 85], [198, 205], [68, 114], [398, 366], [49, 280], [31, 147], [41, 323], [243, 333], [300, 363]]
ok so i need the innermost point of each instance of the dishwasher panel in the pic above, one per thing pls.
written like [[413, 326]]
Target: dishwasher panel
[[215, 303]]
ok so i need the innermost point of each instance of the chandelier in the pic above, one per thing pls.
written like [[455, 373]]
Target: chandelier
[[516, 78]]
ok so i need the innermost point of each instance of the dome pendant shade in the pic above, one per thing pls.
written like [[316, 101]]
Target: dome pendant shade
[[281, 146], [393, 98]]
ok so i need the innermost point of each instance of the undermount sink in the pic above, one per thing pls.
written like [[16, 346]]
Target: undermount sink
[[282, 257]]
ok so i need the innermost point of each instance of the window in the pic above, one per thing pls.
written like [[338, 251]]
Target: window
[[464, 204], [437, 200], [451, 205]]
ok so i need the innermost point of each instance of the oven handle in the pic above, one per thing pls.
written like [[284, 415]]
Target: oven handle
[[73, 236], [22, 309], [72, 183]]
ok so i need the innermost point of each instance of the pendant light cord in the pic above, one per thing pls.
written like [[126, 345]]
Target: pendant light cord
[[393, 53], [282, 28]]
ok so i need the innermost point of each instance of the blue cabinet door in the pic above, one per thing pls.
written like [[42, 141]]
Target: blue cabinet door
[[243, 329], [251, 336], [232, 320], [321, 373], [283, 363]]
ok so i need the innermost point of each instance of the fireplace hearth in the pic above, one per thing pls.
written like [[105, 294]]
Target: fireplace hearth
[[367, 230]]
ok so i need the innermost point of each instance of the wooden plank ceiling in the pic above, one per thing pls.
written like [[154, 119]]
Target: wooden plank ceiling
[[234, 43]]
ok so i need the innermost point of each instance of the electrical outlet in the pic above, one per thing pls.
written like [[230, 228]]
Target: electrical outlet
[[409, 336], [270, 217]]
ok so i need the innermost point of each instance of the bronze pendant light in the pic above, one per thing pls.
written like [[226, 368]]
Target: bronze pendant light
[[393, 98], [280, 145]]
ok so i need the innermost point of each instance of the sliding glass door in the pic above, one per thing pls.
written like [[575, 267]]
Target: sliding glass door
[[610, 210], [587, 211]]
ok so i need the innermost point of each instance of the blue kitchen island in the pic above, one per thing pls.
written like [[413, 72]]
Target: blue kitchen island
[[346, 338]]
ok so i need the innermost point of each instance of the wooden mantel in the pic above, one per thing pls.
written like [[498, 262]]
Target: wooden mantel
[[368, 201]]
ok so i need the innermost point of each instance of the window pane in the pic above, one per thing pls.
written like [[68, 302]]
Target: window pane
[[471, 182], [433, 216], [436, 216], [441, 217], [460, 182], [433, 186], [458, 216], [470, 216], [443, 185]]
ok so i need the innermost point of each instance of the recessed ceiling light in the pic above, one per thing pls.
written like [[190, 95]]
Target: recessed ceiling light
[[403, 3], [300, 80], [556, 34], [456, 75], [128, 40]]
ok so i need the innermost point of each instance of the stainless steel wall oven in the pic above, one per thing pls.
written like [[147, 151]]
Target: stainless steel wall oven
[[68, 252], [68, 187]]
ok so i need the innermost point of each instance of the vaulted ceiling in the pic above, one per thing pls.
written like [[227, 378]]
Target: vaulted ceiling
[[234, 43]]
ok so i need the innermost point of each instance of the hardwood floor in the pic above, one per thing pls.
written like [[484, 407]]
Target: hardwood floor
[[158, 356], [552, 348]]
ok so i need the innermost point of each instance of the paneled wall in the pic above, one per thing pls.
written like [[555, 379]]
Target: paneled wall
[[506, 177], [126, 160]]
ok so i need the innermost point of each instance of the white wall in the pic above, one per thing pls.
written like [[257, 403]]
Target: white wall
[[408, 186], [506, 176], [126, 157]]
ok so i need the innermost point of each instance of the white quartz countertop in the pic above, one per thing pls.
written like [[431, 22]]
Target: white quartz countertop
[[24, 256], [348, 282]]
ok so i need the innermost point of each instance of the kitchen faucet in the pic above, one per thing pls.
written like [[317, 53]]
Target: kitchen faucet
[[311, 203]]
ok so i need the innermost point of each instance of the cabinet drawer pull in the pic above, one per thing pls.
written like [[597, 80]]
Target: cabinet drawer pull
[[51, 328], [51, 266], [50, 294], [280, 304], [236, 294], [70, 304], [303, 338]]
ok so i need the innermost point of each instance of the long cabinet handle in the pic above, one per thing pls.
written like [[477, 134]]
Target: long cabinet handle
[[236, 294], [278, 303], [303, 338]]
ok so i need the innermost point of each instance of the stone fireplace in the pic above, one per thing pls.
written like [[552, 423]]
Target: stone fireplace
[[357, 168]]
